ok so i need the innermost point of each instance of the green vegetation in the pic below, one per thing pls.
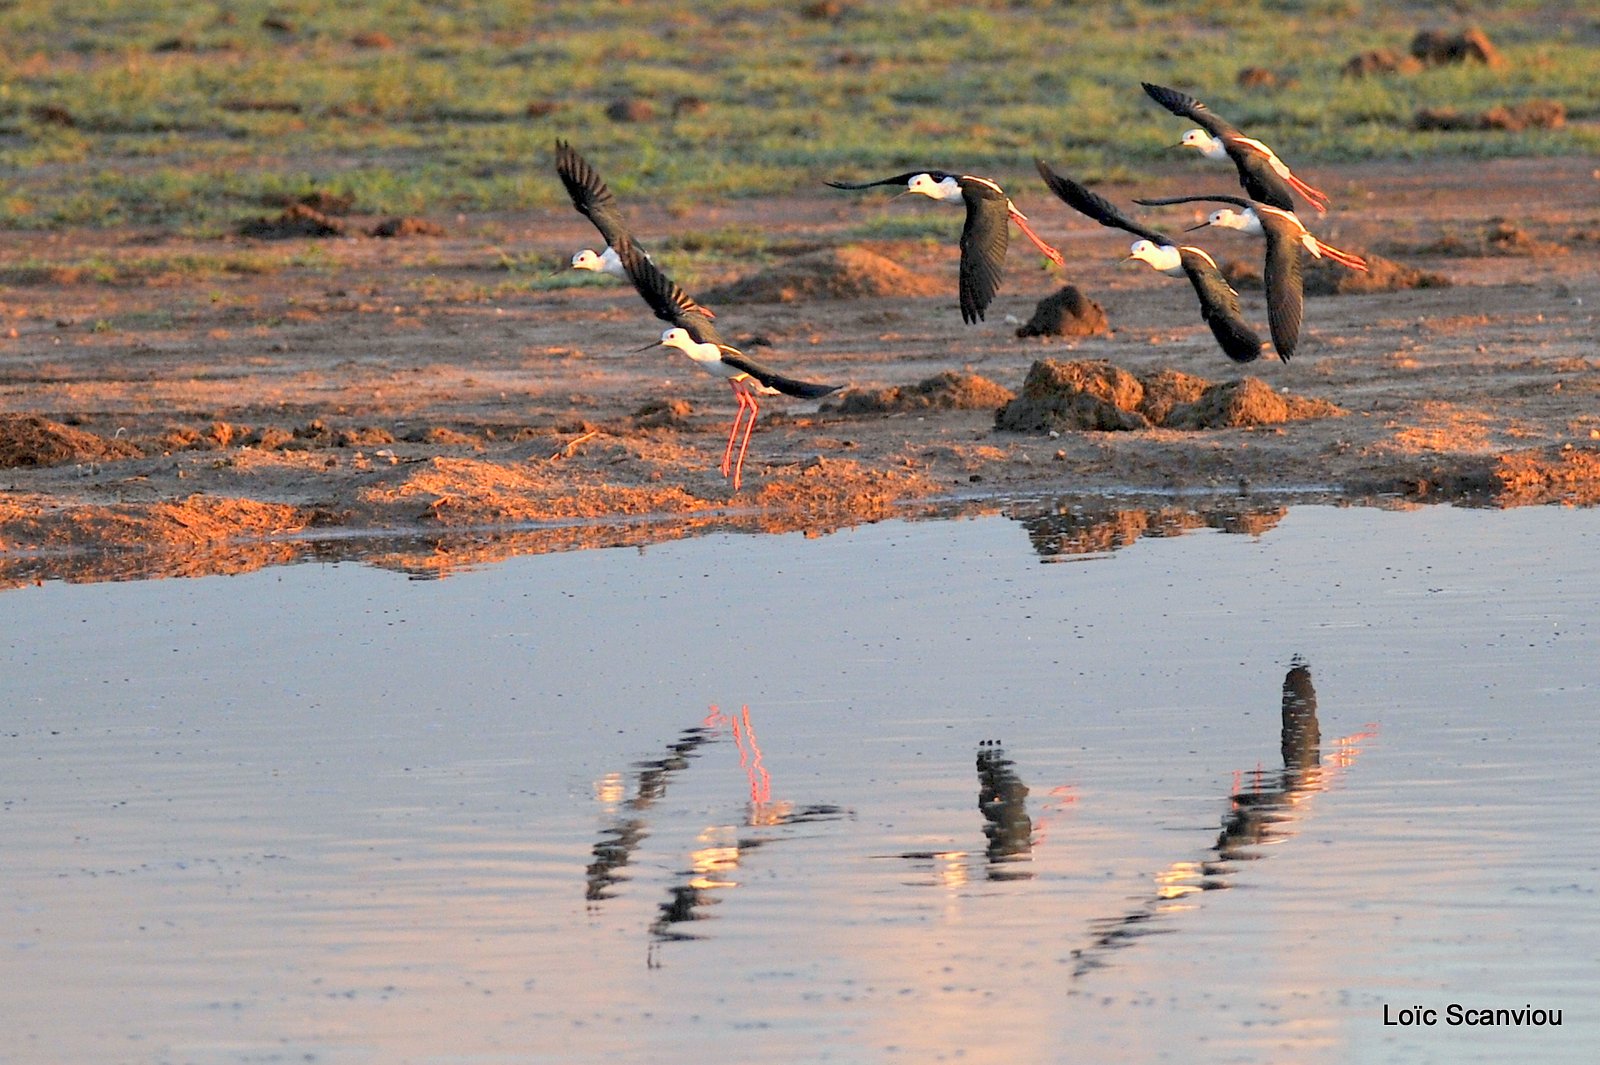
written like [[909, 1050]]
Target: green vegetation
[[192, 116]]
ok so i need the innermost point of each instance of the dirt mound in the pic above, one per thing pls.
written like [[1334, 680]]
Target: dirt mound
[[1324, 277], [1067, 313], [1380, 61], [945, 391], [297, 220], [1544, 475], [1438, 48], [1499, 236], [1531, 114], [1064, 396], [833, 273], [406, 227], [1246, 403], [29, 440], [1074, 395], [1166, 389]]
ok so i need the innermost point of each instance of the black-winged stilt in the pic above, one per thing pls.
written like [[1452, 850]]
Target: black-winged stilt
[[1263, 175], [983, 238], [691, 332], [1286, 235], [1219, 303], [594, 200]]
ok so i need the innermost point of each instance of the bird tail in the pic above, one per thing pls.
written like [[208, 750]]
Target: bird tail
[[1027, 231], [1343, 258], [790, 386]]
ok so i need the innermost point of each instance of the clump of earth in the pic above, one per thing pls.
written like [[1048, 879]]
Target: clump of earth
[[1097, 396]]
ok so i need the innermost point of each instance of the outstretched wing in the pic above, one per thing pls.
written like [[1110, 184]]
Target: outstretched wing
[[898, 179], [1185, 106], [983, 247], [1286, 296], [1168, 201], [666, 299], [1219, 306], [1095, 206], [590, 195]]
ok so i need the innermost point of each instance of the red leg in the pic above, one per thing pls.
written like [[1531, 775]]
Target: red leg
[[1316, 197], [727, 452], [738, 469], [1354, 262], [1027, 231]]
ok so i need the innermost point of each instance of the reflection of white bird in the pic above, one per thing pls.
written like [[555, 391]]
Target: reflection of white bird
[[692, 334], [1265, 177], [983, 238], [1219, 303], [1286, 236]]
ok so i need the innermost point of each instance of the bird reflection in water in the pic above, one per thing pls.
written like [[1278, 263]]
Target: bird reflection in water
[[719, 848], [1262, 808], [622, 837], [1010, 832]]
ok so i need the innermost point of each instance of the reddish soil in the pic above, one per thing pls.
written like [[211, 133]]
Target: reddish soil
[[222, 422]]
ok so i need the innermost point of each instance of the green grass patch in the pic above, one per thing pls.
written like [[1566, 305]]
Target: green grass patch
[[192, 116]]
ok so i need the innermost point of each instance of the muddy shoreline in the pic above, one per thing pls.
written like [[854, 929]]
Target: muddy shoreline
[[375, 391]]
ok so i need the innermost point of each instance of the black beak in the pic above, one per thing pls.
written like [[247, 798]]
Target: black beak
[[1202, 225]]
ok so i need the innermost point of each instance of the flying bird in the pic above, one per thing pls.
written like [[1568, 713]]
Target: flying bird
[[1286, 237], [1219, 303], [691, 332], [983, 238], [1266, 178], [595, 201]]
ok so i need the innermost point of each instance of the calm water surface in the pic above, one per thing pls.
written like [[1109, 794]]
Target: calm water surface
[[903, 793]]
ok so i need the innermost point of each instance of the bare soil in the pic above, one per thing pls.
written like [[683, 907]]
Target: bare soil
[[397, 388]]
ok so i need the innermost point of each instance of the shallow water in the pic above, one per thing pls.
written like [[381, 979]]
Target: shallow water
[[898, 794]]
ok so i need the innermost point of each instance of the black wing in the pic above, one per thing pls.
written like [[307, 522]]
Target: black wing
[[983, 247], [590, 195], [1260, 181], [898, 179], [1096, 207], [1286, 297], [789, 386], [666, 299], [1237, 201], [1219, 306], [1185, 106]]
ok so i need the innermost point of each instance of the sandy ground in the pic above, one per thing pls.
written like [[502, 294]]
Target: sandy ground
[[385, 388]]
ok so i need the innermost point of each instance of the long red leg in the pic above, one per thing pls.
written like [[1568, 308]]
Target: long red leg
[[1353, 261], [727, 452], [738, 470], [1316, 197], [1027, 231]]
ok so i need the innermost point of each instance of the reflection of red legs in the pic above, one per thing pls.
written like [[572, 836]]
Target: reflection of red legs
[[760, 780], [749, 756]]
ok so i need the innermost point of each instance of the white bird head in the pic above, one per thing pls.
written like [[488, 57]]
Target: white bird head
[[1204, 143], [1226, 218], [676, 337], [946, 188], [1162, 257], [586, 260]]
